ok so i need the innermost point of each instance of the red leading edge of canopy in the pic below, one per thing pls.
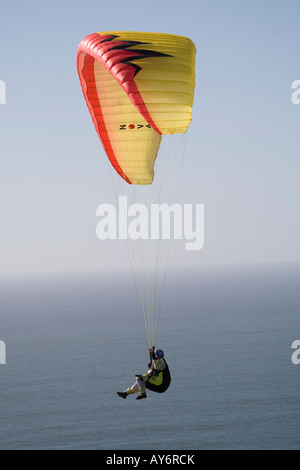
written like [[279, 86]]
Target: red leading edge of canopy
[[113, 55], [90, 92], [105, 50]]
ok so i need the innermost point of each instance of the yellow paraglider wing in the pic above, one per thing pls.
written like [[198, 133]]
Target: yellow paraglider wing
[[137, 86]]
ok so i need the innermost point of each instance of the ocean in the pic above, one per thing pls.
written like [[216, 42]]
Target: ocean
[[73, 341]]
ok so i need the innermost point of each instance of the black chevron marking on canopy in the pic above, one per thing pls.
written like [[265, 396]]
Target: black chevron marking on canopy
[[109, 39], [141, 53]]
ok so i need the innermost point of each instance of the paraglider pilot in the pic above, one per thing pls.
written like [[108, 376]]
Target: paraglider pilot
[[154, 378]]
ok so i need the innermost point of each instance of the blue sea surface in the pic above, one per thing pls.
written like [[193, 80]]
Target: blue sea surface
[[72, 342]]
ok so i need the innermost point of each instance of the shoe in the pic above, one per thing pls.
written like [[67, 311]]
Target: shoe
[[122, 394], [139, 376], [141, 396]]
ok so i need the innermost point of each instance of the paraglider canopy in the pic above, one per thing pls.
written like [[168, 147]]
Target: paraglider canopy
[[137, 87]]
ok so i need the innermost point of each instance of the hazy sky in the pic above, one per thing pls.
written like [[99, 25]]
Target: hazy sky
[[242, 156]]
